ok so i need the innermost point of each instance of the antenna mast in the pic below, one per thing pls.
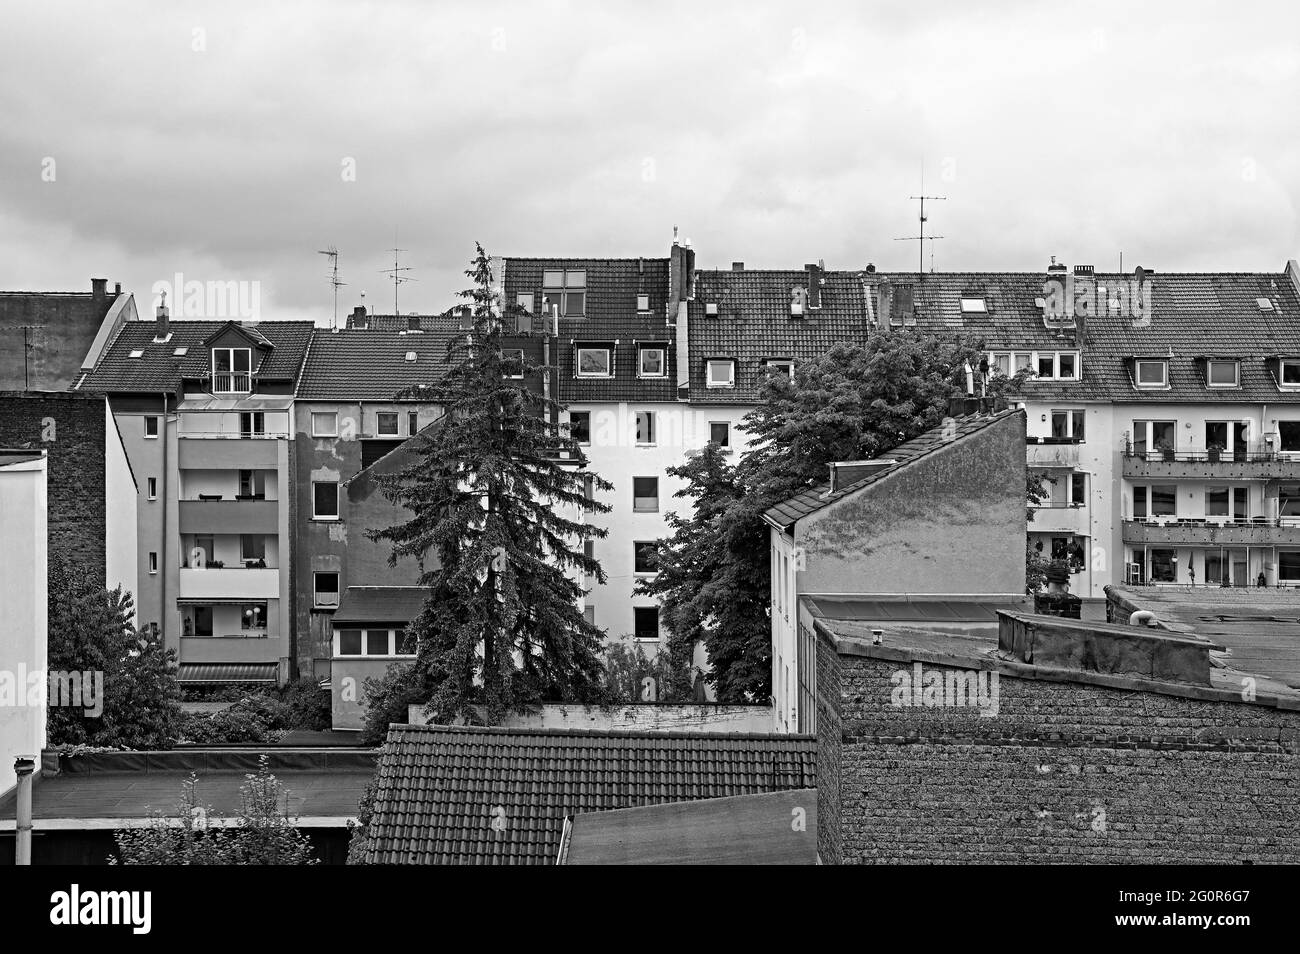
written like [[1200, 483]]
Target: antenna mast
[[333, 254], [396, 274], [923, 238]]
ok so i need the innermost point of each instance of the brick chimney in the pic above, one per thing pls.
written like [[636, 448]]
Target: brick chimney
[[163, 317], [359, 318], [815, 279], [681, 275], [98, 287]]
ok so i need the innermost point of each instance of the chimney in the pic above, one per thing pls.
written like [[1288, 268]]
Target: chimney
[[815, 280], [1055, 269], [98, 287], [737, 266], [163, 318], [871, 268], [117, 289], [359, 318], [681, 275], [845, 473], [1084, 270]]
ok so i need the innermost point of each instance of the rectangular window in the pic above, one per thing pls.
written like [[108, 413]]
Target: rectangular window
[[973, 306], [580, 426], [1227, 502], [377, 642], [1152, 374], [1222, 374], [252, 484], [1078, 489], [645, 494], [1000, 364], [645, 427], [565, 291], [1066, 369], [1288, 566], [720, 433], [646, 622], [525, 301], [783, 365], [1154, 501], [1162, 566], [386, 424], [1153, 437], [325, 589], [153, 561], [721, 373], [593, 363], [349, 642], [1047, 365], [252, 547], [1291, 374], [589, 551], [324, 424], [232, 370], [645, 557], [252, 616], [413, 423], [252, 424], [153, 488], [1021, 361], [325, 499], [1288, 433], [642, 303], [1067, 424], [151, 427], [652, 364], [512, 363]]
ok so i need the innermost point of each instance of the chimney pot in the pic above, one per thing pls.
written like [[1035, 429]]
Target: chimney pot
[[737, 266], [117, 288], [162, 316]]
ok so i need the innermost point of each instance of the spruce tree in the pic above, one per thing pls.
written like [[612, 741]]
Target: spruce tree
[[497, 494]]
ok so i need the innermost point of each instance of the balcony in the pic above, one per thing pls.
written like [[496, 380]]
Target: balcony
[[1052, 452], [230, 649], [1212, 532], [1252, 463], [229, 516], [235, 583], [219, 450], [1071, 518]]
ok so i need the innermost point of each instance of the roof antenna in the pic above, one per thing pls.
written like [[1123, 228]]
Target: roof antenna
[[396, 274], [923, 238], [333, 254]]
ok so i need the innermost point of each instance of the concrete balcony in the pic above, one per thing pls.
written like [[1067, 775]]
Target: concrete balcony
[[231, 649], [1051, 452], [218, 451], [1257, 532], [1069, 519], [1198, 465], [229, 516], [229, 584]]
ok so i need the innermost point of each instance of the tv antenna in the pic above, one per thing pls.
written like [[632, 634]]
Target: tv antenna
[[28, 348], [396, 274], [923, 238], [333, 254]]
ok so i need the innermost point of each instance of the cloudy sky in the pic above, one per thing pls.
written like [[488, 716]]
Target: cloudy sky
[[231, 141]]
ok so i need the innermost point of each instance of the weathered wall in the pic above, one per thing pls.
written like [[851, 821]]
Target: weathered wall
[[1065, 772], [951, 522], [61, 330]]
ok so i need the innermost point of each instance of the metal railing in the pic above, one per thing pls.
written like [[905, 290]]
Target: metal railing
[[1259, 454]]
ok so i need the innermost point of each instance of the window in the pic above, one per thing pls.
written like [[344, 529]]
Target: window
[[646, 622], [1288, 566], [1021, 361], [512, 363], [153, 561], [1154, 501], [642, 303], [1068, 425], [386, 424], [589, 551], [324, 424], [1163, 566], [973, 306], [567, 291], [645, 557], [589, 614], [252, 424], [232, 370], [1078, 489], [252, 547], [370, 642], [137, 353], [652, 363], [1153, 437], [1221, 374], [413, 423], [1046, 366], [1065, 366], [783, 365], [525, 301], [1288, 433], [1264, 304], [325, 587], [153, 488], [645, 494], [181, 352], [252, 484], [1227, 502], [1152, 374], [721, 373], [1057, 365], [593, 363], [1291, 373], [252, 616], [645, 427], [325, 499], [720, 433], [580, 426], [151, 427]]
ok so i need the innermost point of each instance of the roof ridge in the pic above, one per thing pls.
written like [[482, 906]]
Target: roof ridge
[[604, 733]]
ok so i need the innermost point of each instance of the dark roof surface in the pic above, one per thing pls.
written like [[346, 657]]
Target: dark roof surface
[[366, 364], [740, 830], [787, 513], [500, 796], [159, 368], [380, 604]]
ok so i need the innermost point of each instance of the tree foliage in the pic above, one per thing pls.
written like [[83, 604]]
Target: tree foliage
[[496, 497]]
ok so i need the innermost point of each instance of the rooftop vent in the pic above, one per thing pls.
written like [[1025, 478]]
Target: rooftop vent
[[711, 309], [1054, 268], [1083, 269]]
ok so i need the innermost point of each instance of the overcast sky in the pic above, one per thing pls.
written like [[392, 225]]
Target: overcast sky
[[219, 140]]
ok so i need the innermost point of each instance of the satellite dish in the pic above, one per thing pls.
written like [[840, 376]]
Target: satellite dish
[[198, 558]]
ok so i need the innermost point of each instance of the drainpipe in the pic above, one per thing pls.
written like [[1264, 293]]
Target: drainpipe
[[164, 566], [24, 766]]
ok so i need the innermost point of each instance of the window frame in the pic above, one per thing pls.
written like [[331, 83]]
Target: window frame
[[638, 548], [151, 488], [709, 380], [243, 539], [316, 590], [334, 432], [148, 420], [587, 430], [234, 374], [784, 364], [392, 642], [315, 514], [636, 630], [507, 362], [1281, 373], [609, 363], [1210, 365], [1163, 363], [642, 351], [153, 562], [397, 424], [636, 508], [645, 437], [565, 290], [723, 424]]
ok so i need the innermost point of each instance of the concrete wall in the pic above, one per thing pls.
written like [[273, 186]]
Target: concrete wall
[[146, 458], [121, 501], [1065, 772], [23, 573], [65, 327]]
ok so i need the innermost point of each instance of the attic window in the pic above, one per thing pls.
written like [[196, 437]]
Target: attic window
[[1152, 374], [410, 356], [413, 324], [181, 352], [1221, 374], [136, 354], [721, 373], [711, 309], [642, 302], [1290, 369], [1265, 304], [973, 306]]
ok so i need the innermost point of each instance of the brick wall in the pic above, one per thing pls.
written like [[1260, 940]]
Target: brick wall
[[829, 753], [71, 427], [1065, 772]]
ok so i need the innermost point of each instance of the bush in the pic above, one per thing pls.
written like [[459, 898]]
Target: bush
[[632, 676], [389, 697], [263, 715]]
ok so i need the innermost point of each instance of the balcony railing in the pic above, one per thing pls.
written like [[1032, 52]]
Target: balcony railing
[[1212, 531], [228, 382], [1254, 462]]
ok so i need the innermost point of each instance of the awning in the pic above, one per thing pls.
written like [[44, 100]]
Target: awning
[[228, 672]]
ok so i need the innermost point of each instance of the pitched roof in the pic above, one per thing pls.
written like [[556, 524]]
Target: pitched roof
[[753, 324], [369, 364], [787, 513], [380, 604], [451, 794], [159, 368]]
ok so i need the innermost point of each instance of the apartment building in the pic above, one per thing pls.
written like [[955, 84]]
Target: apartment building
[[204, 409]]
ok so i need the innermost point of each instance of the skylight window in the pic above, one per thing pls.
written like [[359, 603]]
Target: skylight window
[[410, 356], [973, 306], [711, 309], [181, 352], [1265, 304], [136, 354]]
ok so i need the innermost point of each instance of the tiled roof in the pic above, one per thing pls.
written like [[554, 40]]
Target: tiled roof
[[754, 323], [1194, 315], [611, 319], [500, 796], [160, 368], [445, 322], [367, 364], [380, 604], [789, 512]]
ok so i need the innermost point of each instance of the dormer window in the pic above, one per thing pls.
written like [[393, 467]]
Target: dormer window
[[651, 362], [721, 373], [1151, 373], [1290, 372], [594, 363], [232, 370], [783, 365], [413, 323], [1221, 373]]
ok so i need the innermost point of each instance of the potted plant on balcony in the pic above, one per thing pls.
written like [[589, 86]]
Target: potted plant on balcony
[[1215, 451], [1166, 450], [216, 564]]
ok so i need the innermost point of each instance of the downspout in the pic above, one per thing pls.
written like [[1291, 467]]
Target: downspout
[[165, 566], [23, 767]]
